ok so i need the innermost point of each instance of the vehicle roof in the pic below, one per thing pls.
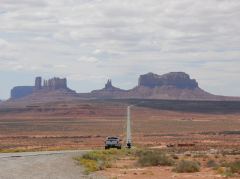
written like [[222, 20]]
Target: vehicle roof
[[113, 138]]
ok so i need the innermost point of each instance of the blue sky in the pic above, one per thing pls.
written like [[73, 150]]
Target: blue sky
[[89, 41]]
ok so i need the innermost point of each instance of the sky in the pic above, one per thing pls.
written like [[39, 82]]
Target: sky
[[90, 41]]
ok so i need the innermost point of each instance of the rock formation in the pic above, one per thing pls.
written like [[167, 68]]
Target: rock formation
[[51, 84], [38, 83], [175, 79], [173, 86], [108, 85], [54, 84], [109, 91], [21, 91], [108, 88], [170, 86]]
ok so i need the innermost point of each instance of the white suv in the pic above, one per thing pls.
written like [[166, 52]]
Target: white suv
[[113, 142]]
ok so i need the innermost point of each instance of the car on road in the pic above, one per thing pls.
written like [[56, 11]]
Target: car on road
[[113, 142]]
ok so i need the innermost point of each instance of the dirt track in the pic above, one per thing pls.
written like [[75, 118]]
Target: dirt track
[[42, 165]]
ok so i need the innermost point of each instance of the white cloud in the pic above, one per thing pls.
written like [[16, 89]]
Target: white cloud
[[88, 59], [84, 39]]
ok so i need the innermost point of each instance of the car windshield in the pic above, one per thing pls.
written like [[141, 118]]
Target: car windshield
[[112, 138]]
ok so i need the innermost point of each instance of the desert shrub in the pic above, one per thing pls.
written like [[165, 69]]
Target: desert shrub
[[225, 171], [154, 158], [229, 169], [101, 159], [187, 166], [233, 166], [98, 160], [90, 165], [95, 155], [212, 164]]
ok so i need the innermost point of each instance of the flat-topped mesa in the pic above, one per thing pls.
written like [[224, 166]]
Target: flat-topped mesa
[[175, 79], [21, 91]]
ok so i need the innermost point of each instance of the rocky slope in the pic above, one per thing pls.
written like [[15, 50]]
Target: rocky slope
[[50, 96]]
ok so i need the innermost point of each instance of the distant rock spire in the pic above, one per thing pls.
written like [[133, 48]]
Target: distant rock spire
[[108, 84], [38, 83]]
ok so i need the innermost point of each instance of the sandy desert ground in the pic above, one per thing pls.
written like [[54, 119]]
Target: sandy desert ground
[[85, 124]]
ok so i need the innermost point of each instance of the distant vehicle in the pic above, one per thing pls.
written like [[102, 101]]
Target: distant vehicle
[[113, 142]]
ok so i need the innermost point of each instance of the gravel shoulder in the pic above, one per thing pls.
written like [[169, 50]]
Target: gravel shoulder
[[42, 165]]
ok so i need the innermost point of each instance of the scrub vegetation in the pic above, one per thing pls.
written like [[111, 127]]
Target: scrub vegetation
[[128, 160], [102, 159]]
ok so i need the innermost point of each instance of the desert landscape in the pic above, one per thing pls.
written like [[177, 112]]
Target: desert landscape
[[176, 128], [119, 89], [188, 129], [86, 124], [194, 130]]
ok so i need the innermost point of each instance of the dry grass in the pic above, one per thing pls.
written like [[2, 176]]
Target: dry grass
[[187, 166], [229, 168], [101, 159], [154, 158]]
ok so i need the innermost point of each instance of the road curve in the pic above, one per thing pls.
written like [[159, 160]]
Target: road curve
[[42, 165]]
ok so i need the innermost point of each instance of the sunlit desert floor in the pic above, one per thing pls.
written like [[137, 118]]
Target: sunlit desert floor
[[86, 124]]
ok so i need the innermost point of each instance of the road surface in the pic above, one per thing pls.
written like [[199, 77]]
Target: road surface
[[42, 165]]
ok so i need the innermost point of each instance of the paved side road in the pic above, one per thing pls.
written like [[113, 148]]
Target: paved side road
[[42, 165]]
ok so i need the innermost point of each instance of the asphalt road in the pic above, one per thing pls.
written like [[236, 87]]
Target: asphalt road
[[42, 165]]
